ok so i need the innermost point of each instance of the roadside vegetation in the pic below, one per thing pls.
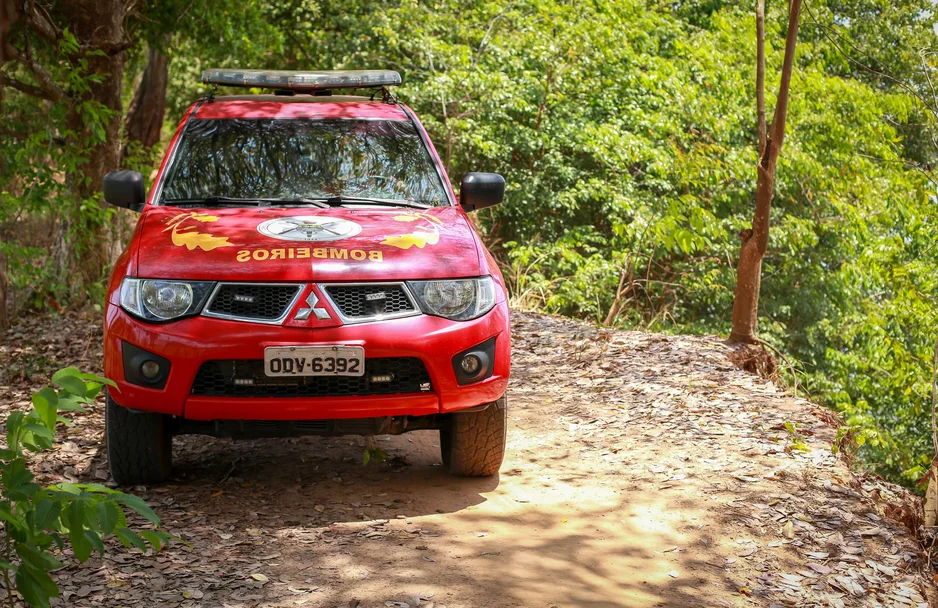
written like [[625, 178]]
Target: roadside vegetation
[[41, 522], [626, 131]]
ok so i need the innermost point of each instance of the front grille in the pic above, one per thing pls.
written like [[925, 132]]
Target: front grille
[[252, 302], [362, 301], [216, 379]]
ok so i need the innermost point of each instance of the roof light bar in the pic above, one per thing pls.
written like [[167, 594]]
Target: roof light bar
[[302, 81]]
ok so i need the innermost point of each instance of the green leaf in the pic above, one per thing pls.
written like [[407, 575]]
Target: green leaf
[[70, 404], [137, 504], [47, 514], [19, 481], [94, 539], [36, 558], [66, 372], [75, 518], [30, 589], [46, 402], [7, 516], [98, 379], [45, 581], [130, 538], [151, 538], [39, 430], [108, 515], [96, 488], [14, 422], [72, 384]]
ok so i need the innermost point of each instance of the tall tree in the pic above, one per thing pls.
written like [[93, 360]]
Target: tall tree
[[755, 241], [146, 112], [70, 56]]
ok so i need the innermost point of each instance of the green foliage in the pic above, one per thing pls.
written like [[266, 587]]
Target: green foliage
[[373, 453], [40, 523], [626, 131]]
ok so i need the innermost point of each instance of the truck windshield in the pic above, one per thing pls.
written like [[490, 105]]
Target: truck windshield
[[297, 159]]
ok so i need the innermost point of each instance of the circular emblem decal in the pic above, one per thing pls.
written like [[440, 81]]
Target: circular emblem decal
[[309, 228]]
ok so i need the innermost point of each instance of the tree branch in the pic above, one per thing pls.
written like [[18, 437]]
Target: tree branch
[[760, 74], [109, 48], [52, 92], [41, 23], [781, 107], [22, 87]]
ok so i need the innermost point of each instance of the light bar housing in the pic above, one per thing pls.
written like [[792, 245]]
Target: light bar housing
[[302, 81]]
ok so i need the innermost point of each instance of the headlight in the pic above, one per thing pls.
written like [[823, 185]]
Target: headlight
[[456, 299], [156, 300]]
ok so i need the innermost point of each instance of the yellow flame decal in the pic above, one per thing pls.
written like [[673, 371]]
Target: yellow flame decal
[[420, 237], [190, 237]]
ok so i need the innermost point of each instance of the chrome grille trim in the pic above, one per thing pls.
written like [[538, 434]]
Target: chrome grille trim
[[346, 320], [207, 310]]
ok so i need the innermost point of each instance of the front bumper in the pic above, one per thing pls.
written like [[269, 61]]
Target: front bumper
[[188, 343]]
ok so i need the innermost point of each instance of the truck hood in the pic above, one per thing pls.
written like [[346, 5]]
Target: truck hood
[[307, 244]]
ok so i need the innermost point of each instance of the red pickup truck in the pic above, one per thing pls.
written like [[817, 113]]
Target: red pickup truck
[[303, 266]]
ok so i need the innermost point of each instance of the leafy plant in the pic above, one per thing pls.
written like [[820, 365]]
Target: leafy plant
[[39, 523], [373, 453]]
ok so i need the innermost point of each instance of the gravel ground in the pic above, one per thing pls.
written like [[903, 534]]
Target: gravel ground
[[642, 470]]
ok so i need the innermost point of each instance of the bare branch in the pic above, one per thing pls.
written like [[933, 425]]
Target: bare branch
[[760, 74], [22, 87], [52, 92], [781, 107]]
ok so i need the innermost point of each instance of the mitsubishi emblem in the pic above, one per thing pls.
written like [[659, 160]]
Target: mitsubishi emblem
[[312, 300]]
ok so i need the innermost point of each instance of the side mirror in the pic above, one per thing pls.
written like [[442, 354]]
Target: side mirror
[[481, 190], [125, 189]]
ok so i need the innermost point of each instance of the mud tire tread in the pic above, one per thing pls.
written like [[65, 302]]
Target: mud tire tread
[[473, 443], [139, 445]]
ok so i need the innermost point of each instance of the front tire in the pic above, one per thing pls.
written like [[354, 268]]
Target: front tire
[[139, 445], [473, 443]]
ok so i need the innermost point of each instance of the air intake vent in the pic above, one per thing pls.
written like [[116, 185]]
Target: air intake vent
[[252, 302], [383, 376], [362, 302]]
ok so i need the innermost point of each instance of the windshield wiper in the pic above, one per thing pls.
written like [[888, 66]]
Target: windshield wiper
[[323, 202], [384, 202], [253, 201]]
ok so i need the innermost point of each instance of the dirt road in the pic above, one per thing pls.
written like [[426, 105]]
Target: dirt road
[[642, 470]]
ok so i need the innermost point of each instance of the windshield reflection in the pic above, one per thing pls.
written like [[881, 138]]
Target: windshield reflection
[[303, 158]]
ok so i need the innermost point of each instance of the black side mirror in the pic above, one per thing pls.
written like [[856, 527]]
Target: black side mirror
[[125, 189], [481, 190]]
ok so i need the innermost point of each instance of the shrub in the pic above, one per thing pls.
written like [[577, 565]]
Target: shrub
[[39, 523]]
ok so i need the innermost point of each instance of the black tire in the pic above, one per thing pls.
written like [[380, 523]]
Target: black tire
[[473, 443], [139, 445]]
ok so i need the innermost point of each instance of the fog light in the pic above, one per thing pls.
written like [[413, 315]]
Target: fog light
[[382, 378], [150, 370], [470, 364]]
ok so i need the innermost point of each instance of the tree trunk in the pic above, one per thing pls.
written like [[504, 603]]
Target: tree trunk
[[98, 23], [148, 108], [749, 271], [756, 240], [8, 13]]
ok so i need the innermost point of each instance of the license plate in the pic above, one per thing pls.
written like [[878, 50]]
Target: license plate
[[314, 361]]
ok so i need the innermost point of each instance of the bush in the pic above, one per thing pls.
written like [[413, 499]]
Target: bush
[[39, 523]]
